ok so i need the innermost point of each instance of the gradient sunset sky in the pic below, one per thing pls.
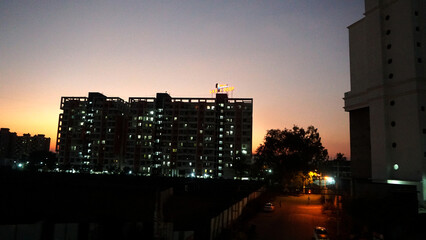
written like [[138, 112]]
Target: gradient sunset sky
[[290, 56]]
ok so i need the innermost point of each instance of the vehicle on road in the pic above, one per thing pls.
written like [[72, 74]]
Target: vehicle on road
[[269, 207], [320, 233]]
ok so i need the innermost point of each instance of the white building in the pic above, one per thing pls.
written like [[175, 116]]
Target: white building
[[388, 93]]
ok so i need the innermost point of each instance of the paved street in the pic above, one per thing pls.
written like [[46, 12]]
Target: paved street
[[295, 219]]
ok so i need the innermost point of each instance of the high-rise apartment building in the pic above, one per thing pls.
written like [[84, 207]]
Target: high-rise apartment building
[[387, 100], [92, 132], [162, 136]]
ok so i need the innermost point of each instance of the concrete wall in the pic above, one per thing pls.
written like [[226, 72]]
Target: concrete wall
[[226, 218]]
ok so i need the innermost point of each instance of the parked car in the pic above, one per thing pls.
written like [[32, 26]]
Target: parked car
[[269, 207], [320, 233]]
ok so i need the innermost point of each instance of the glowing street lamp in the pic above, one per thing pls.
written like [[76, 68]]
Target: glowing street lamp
[[330, 180]]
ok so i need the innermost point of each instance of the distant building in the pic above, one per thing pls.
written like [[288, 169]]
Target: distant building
[[387, 100], [7, 146], [14, 147], [164, 136], [27, 144]]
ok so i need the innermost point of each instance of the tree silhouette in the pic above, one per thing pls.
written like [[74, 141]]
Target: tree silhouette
[[286, 152]]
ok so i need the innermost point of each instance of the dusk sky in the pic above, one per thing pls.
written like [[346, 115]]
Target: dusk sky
[[290, 56]]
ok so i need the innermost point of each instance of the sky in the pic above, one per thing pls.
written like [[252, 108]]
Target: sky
[[290, 56]]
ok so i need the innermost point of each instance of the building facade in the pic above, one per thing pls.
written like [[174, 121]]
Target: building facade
[[91, 132], [161, 136], [387, 100]]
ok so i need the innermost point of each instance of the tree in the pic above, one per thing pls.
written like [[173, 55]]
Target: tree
[[340, 157], [286, 152]]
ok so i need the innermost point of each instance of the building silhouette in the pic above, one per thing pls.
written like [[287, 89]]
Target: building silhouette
[[161, 136], [387, 100], [14, 147]]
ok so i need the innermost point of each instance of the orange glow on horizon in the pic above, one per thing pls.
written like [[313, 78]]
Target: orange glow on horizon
[[47, 122], [184, 49]]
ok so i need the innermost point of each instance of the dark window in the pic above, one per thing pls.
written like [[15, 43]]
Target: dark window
[[390, 75], [416, 13], [422, 108], [389, 60], [387, 17], [394, 145], [419, 60], [388, 32], [393, 123], [424, 130], [419, 44], [389, 46], [417, 29], [392, 103]]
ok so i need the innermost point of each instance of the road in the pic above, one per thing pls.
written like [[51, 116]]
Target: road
[[295, 219]]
